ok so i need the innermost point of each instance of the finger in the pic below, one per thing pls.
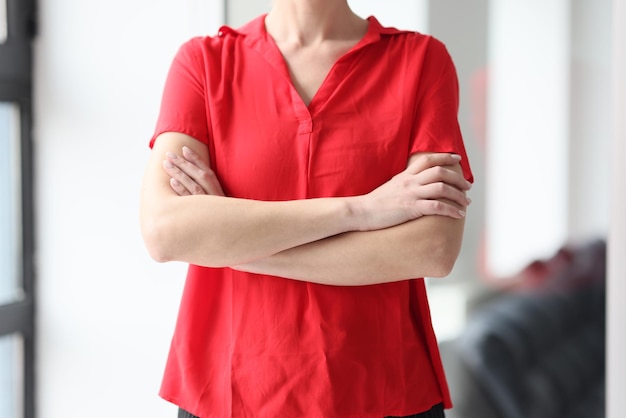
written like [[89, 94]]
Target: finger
[[444, 174], [187, 182], [178, 188], [186, 166], [425, 161], [441, 208], [436, 191], [207, 177], [191, 156], [211, 183], [197, 171]]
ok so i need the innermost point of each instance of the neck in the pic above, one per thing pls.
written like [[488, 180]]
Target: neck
[[308, 22]]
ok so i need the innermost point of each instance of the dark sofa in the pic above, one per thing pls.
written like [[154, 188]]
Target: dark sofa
[[538, 349]]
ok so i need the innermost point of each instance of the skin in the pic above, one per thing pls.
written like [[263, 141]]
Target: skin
[[411, 226]]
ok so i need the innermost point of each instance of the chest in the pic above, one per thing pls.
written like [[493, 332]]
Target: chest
[[318, 128]]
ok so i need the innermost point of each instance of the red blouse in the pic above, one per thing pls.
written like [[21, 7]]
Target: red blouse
[[249, 345]]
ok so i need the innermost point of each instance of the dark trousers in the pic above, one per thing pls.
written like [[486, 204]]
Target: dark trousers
[[435, 412]]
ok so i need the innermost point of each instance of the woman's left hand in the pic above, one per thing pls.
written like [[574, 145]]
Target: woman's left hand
[[190, 175]]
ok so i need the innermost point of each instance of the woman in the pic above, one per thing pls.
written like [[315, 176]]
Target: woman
[[310, 169]]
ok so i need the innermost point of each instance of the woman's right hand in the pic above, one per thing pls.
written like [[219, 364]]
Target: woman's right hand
[[432, 184]]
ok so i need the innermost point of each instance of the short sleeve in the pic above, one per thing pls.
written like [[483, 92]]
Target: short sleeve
[[436, 119], [184, 107]]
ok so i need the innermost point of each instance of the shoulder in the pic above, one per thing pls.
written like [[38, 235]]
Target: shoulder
[[202, 54], [411, 44], [431, 46], [224, 42], [427, 52], [201, 45]]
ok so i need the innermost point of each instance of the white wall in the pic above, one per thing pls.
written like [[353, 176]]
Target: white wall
[[616, 309], [527, 152], [589, 119], [106, 311], [239, 12], [404, 14], [549, 136]]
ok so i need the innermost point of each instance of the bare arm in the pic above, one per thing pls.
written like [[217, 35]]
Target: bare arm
[[214, 230], [428, 246], [379, 255], [364, 258], [425, 247]]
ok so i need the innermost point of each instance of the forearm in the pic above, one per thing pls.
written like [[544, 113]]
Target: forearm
[[427, 246], [211, 230], [217, 231]]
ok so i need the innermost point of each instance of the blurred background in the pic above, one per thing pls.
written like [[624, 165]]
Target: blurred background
[[86, 316]]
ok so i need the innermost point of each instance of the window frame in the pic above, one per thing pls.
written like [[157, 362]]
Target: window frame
[[16, 86]]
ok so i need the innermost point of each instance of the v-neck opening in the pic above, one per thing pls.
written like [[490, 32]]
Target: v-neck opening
[[275, 56]]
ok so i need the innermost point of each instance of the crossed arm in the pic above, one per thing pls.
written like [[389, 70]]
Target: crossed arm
[[411, 226]]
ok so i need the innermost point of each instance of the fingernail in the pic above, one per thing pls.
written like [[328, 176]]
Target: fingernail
[[171, 155], [469, 185], [167, 164], [469, 200], [186, 149], [462, 213], [456, 157]]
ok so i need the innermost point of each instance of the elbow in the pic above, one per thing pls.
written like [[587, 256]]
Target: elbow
[[158, 255], [442, 268], [155, 237], [444, 253], [167, 240]]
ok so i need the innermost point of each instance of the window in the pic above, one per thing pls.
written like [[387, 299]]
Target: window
[[17, 299], [3, 21], [10, 204]]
